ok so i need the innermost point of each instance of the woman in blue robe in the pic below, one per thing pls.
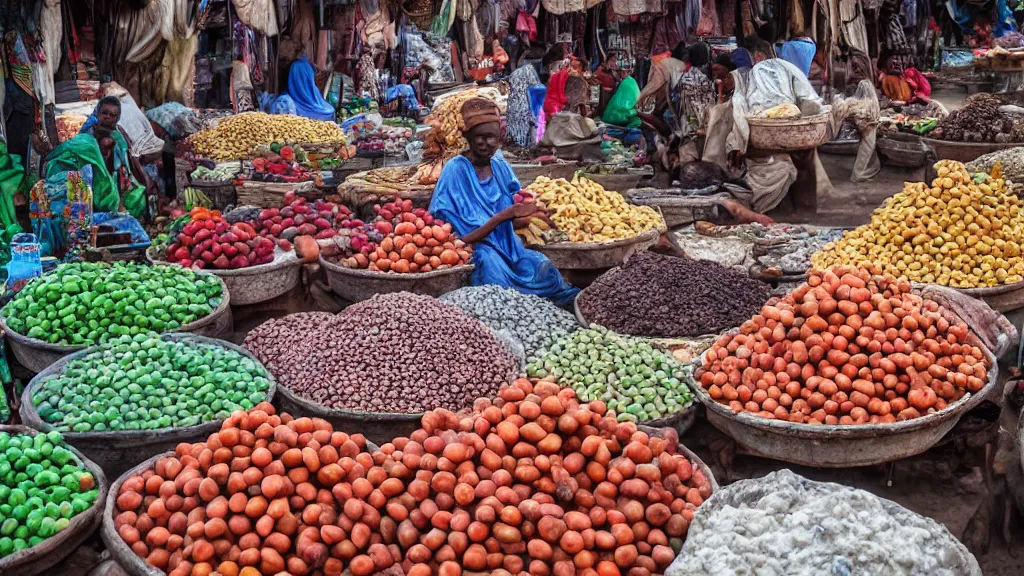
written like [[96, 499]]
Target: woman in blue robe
[[474, 194]]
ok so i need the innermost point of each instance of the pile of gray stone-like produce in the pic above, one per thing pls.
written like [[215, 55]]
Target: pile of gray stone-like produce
[[530, 319]]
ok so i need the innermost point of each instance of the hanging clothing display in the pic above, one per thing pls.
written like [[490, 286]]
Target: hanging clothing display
[[854, 30], [519, 118], [260, 15], [670, 30], [140, 32], [52, 26], [627, 9], [179, 59], [890, 30], [379, 28], [242, 94], [708, 25], [563, 6], [691, 17]]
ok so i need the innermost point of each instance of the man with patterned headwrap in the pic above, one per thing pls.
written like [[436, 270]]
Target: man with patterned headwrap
[[474, 194]]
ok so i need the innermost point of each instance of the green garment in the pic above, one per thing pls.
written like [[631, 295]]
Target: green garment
[[12, 181], [621, 109], [108, 190]]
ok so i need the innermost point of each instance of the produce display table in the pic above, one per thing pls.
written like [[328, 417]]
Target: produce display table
[[37, 355], [271, 194], [528, 172], [117, 451], [596, 255], [255, 284], [358, 285], [964, 151], [1004, 298], [678, 209], [906, 150], [839, 446]]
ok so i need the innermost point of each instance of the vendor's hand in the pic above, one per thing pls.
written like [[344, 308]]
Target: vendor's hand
[[520, 210]]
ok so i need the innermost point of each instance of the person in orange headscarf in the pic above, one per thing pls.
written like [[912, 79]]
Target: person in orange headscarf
[[902, 85], [476, 195]]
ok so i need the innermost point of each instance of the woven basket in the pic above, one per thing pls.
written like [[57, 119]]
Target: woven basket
[[789, 135], [222, 194], [182, 175], [271, 194], [420, 13]]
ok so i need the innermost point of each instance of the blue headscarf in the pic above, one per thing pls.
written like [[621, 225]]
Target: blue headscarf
[[302, 88], [742, 59]]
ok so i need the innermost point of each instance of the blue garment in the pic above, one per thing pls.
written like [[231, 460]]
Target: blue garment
[[406, 93], [467, 203], [282, 104], [302, 88], [799, 53], [741, 58], [537, 95]]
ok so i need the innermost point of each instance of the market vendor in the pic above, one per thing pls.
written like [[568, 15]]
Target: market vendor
[[900, 83], [474, 194], [720, 74], [769, 84], [114, 184], [608, 78], [106, 116], [684, 95]]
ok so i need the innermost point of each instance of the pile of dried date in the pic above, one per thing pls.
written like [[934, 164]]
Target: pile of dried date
[[668, 297]]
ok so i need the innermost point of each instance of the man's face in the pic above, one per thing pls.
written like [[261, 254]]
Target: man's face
[[484, 140], [109, 115], [719, 72]]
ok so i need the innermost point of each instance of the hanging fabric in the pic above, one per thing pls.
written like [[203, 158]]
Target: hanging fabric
[[854, 30], [260, 15], [179, 59], [626, 9], [708, 25], [52, 27]]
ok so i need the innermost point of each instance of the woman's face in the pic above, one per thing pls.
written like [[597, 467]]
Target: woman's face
[[109, 115], [484, 140], [719, 72]]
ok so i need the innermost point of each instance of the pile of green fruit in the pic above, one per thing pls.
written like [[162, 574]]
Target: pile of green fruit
[[144, 382], [638, 382], [42, 487], [82, 304]]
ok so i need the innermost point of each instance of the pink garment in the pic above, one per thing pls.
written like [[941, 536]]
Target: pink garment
[[526, 23], [555, 99], [919, 85]]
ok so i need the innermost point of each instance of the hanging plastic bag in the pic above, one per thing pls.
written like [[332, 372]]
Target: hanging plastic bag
[[621, 109]]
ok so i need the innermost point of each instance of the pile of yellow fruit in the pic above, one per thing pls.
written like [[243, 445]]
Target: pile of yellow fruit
[[238, 136], [446, 118], [962, 231], [586, 212]]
